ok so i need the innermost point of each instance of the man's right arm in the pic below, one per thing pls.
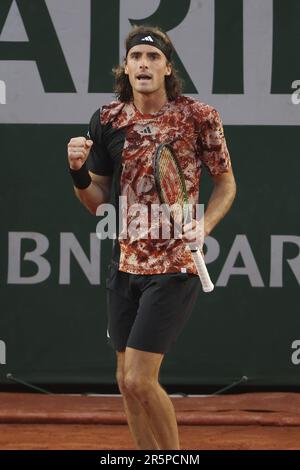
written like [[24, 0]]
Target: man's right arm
[[91, 189], [98, 192]]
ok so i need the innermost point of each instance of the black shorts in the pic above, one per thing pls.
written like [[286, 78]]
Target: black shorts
[[148, 312]]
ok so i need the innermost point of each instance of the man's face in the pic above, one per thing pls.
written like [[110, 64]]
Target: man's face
[[146, 67]]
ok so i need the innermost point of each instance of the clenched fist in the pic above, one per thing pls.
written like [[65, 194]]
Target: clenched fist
[[78, 152]]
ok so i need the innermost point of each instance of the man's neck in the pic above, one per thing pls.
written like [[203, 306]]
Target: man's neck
[[149, 104]]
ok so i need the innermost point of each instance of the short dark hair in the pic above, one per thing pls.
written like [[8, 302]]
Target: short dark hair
[[173, 82]]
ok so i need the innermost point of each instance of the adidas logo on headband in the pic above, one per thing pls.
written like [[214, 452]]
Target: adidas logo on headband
[[150, 39], [147, 38]]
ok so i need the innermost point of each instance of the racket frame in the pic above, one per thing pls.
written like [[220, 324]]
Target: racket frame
[[198, 257]]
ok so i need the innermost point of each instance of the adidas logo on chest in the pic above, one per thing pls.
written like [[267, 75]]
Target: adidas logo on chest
[[147, 129]]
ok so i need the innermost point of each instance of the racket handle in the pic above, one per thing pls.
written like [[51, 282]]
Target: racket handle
[[206, 282]]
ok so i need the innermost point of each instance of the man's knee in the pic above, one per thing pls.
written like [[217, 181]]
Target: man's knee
[[132, 387], [139, 387]]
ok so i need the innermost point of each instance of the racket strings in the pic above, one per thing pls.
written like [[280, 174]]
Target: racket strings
[[167, 169]]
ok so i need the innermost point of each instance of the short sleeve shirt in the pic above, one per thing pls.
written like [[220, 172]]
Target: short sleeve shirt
[[125, 142]]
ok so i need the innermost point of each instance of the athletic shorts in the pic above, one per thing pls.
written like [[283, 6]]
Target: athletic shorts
[[148, 312]]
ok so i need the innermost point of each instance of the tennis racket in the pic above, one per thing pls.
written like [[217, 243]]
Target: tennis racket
[[171, 189]]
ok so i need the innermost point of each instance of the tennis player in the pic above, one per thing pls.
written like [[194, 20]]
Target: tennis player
[[152, 283]]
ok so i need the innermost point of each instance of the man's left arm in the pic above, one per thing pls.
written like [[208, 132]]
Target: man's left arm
[[215, 157], [220, 201]]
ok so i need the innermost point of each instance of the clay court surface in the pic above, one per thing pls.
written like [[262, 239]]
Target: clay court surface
[[249, 421]]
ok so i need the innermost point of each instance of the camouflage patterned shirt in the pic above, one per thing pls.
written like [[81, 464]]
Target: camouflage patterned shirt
[[125, 142]]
